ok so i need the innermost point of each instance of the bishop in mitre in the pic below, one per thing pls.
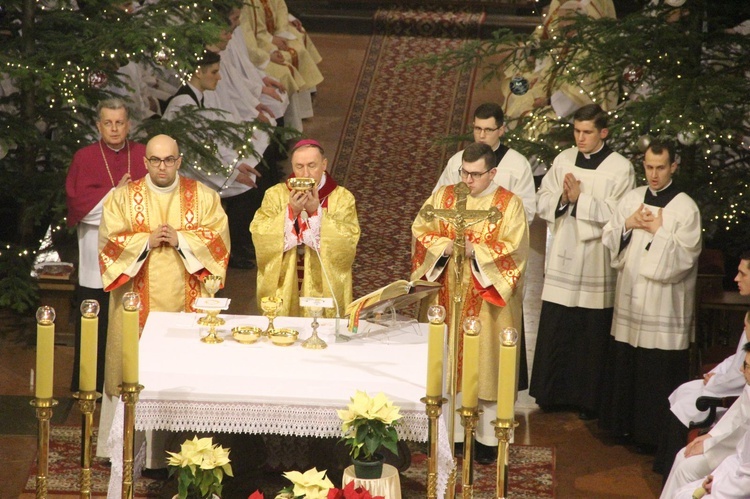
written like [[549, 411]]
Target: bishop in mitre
[[492, 275], [159, 237], [305, 241]]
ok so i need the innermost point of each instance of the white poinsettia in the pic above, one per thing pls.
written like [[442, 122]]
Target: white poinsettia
[[312, 484], [368, 424], [200, 466]]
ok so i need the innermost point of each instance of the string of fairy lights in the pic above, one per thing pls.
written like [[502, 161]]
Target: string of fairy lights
[[708, 141], [71, 79]]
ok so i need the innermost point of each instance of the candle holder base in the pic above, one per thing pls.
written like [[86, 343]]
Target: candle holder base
[[433, 408], [469, 420], [504, 429], [129, 394], [87, 404], [43, 415]]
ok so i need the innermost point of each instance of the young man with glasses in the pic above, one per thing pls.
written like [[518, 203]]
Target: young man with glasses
[[577, 198], [159, 236], [513, 169], [96, 170], [492, 272], [724, 452]]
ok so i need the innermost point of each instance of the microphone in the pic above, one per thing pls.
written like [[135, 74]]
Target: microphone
[[304, 216]]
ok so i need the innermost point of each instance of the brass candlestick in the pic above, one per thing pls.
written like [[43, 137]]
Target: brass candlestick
[[43, 415], [87, 405], [504, 429], [433, 408], [129, 395], [469, 420]]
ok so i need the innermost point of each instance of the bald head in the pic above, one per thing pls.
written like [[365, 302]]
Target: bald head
[[162, 160]]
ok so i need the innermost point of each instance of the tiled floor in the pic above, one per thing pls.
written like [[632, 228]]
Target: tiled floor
[[587, 464]]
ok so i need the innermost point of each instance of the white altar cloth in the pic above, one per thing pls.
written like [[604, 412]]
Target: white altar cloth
[[264, 388]]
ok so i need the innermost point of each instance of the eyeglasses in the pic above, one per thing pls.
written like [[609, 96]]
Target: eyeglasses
[[473, 175], [487, 131], [169, 161]]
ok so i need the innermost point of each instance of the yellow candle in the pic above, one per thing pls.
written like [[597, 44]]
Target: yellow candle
[[435, 346], [506, 380], [89, 340], [45, 352], [130, 338], [470, 369], [435, 343]]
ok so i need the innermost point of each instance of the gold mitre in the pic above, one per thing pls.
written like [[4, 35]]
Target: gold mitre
[[301, 183]]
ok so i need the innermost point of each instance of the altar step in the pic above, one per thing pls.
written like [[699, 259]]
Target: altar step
[[357, 16]]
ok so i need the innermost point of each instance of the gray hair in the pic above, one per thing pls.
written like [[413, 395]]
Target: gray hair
[[113, 103]]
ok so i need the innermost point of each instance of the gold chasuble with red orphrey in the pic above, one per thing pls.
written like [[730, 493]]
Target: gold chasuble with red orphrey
[[500, 250], [160, 276]]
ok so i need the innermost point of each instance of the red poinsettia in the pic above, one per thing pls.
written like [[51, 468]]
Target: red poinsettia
[[256, 495], [350, 492]]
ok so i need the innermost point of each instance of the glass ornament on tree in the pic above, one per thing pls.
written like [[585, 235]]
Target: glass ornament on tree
[[519, 85]]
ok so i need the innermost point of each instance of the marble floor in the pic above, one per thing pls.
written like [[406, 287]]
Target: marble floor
[[587, 463]]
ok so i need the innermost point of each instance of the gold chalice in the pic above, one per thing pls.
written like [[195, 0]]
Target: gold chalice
[[301, 184], [314, 342], [212, 283], [270, 306]]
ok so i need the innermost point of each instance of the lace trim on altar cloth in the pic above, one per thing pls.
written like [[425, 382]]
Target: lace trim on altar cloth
[[257, 419]]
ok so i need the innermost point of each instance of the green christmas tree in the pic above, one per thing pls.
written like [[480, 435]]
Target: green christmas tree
[[57, 59], [678, 70]]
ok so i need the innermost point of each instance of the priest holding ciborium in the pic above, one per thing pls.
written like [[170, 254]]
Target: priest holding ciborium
[[473, 238], [305, 236]]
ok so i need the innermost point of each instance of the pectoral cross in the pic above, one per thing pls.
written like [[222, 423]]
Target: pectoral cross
[[461, 219]]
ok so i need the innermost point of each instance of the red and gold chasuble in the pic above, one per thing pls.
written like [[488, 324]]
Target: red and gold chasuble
[[500, 250], [163, 280]]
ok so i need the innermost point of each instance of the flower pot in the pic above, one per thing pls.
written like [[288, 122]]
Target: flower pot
[[369, 469]]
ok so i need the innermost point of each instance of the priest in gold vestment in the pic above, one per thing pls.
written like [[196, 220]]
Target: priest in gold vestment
[[159, 237], [492, 275], [294, 231]]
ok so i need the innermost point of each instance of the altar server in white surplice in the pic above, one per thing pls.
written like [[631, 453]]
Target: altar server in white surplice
[[730, 480], [724, 380], [725, 440], [654, 237], [577, 198]]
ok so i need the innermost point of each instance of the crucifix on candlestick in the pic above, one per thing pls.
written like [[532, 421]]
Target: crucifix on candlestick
[[461, 219]]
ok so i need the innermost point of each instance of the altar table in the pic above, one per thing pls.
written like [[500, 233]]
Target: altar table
[[264, 388]]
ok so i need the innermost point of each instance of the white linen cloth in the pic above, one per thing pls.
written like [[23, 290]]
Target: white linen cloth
[[264, 388]]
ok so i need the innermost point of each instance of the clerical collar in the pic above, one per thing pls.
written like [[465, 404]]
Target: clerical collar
[[113, 149], [588, 156], [322, 181], [593, 160], [661, 198], [162, 190]]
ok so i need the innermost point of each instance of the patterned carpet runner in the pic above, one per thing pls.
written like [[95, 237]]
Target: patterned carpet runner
[[388, 157], [532, 473]]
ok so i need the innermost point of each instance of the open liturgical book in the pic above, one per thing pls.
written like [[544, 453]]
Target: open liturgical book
[[395, 295]]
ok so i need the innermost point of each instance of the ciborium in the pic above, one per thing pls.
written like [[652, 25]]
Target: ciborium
[[212, 283], [270, 306], [314, 342]]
